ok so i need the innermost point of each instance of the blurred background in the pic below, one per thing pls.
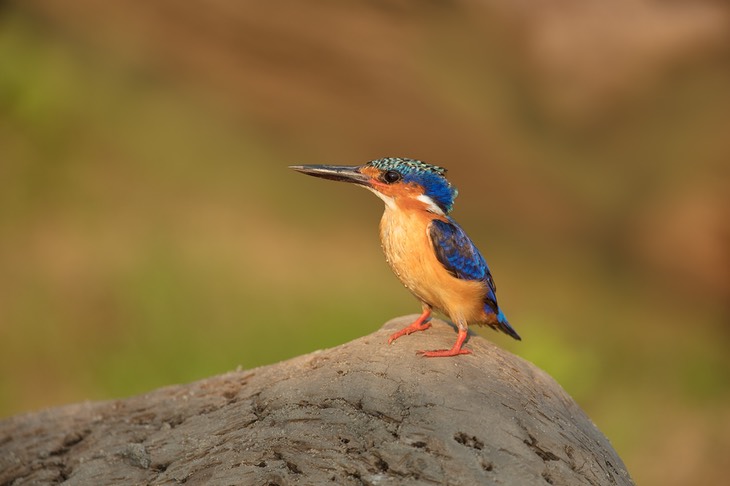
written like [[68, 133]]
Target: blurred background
[[151, 234]]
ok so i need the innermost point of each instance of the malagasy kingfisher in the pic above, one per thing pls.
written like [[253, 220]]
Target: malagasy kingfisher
[[428, 251]]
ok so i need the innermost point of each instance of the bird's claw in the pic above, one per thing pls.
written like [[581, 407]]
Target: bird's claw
[[415, 327], [443, 353]]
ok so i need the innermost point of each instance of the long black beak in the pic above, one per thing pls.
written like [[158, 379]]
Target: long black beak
[[333, 172]]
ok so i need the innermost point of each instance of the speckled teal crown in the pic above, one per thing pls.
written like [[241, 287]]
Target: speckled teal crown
[[390, 163]]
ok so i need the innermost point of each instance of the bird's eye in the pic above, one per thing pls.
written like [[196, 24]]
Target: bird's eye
[[392, 176]]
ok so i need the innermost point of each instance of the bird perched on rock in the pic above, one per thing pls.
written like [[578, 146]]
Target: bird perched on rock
[[430, 254]]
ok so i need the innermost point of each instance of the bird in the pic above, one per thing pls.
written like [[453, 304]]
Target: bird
[[427, 250]]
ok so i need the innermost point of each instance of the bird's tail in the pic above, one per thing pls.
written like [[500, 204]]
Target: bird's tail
[[503, 325]]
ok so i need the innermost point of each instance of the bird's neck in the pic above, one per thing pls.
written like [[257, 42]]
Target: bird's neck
[[417, 207], [407, 218]]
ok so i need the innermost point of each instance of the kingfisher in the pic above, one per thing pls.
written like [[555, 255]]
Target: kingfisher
[[426, 249]]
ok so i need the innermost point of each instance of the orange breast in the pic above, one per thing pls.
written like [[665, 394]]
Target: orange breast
[[407, 246]]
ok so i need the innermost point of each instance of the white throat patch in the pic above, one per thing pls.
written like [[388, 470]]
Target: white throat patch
[[389, 201]]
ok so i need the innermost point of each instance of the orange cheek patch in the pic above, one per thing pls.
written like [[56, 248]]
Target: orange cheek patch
[[398, 190], [404, 193]]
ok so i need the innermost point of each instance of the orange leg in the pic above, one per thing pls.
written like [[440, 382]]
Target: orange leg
[[419, 324], [454, 351]]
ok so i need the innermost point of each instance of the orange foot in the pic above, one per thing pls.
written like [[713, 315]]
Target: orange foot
[[444, 353], [454, 351], [419, 324]]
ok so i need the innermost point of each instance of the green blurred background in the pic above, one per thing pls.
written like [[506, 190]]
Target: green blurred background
[[151, 234]]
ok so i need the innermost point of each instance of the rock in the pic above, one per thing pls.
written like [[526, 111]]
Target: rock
[[362, 413]]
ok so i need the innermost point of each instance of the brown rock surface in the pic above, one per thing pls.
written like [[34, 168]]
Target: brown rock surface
[[361, 413]]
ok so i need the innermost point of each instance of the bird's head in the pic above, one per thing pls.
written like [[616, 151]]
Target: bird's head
[[404, 183]]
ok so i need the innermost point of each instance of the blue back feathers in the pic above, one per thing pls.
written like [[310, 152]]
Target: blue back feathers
[[431, 177]]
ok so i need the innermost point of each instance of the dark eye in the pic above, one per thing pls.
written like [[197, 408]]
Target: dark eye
[[392, 176]]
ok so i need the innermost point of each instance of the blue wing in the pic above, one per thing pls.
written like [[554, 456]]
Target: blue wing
[[458, 254], [461, 258]]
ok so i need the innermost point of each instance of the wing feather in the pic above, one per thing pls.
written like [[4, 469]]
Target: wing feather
[[458, 255]]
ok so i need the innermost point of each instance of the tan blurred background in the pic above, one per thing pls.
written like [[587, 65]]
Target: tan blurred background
[[151, 234]]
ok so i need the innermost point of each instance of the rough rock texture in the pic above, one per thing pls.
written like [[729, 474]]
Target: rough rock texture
[[361, 413]]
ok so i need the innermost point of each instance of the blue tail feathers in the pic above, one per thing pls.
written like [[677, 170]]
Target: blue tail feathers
[[503, 325]]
